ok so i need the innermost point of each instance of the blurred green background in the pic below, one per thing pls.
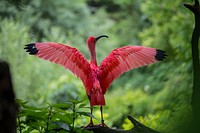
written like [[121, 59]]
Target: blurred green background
[[157, 95]]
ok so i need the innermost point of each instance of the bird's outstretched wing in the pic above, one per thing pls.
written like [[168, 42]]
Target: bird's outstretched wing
[[123, 59], [64, 55]]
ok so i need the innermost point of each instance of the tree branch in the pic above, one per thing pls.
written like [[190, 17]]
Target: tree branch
[[138, 128]]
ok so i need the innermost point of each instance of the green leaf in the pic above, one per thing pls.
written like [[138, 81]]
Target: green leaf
[[81, 105], [35, 114], [52, 126], [76, 101], [21, 102], [62, 125], [31, 130], [36, 124], [67, 118], [85, 114]]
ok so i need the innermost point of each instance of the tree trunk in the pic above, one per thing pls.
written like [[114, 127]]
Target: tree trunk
[[7, 101], [196, 66]]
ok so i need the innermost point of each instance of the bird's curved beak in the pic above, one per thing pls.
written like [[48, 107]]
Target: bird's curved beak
[[97, 38]]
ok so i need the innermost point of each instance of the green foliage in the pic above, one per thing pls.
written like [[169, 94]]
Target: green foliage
[[13, 35], [157, 95], [52, 118], [8, 8], [64, 89]]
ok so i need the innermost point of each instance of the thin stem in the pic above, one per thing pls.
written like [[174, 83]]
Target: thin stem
[[74, 115], [49, 118], [19, 124]]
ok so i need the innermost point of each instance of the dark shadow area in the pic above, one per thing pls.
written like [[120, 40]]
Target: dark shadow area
[[7, 100]]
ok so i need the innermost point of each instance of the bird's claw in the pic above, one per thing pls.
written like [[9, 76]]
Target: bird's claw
[[103, 125], [89, 125]]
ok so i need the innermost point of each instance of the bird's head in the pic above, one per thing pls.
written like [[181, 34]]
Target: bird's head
[[91, 41]]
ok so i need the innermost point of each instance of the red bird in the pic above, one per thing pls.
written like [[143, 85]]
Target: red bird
[[96, 79]]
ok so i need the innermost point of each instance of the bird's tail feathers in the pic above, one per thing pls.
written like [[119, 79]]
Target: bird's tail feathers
[[97, 99]]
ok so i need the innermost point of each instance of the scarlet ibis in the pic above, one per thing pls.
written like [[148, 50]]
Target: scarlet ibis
[[96, 79]]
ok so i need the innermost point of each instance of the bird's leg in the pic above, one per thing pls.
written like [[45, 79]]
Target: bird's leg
[[101, 110], [91, 122], [102, 120]]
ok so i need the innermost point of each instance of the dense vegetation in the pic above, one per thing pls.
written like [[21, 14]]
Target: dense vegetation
[[157, 95]]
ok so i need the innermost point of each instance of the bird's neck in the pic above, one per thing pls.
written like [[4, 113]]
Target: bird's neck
[[93, 57], [92, 54]]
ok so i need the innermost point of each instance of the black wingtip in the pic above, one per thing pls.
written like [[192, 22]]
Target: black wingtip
[[31, 49], [160, 55]]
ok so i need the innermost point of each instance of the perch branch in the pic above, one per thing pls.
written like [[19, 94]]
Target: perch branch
[[138, 128]]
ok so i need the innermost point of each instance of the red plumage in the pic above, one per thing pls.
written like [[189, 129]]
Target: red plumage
[[96, 79]]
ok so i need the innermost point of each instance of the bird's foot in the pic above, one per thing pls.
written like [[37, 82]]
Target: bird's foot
[[91, 124], [103, 125]]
